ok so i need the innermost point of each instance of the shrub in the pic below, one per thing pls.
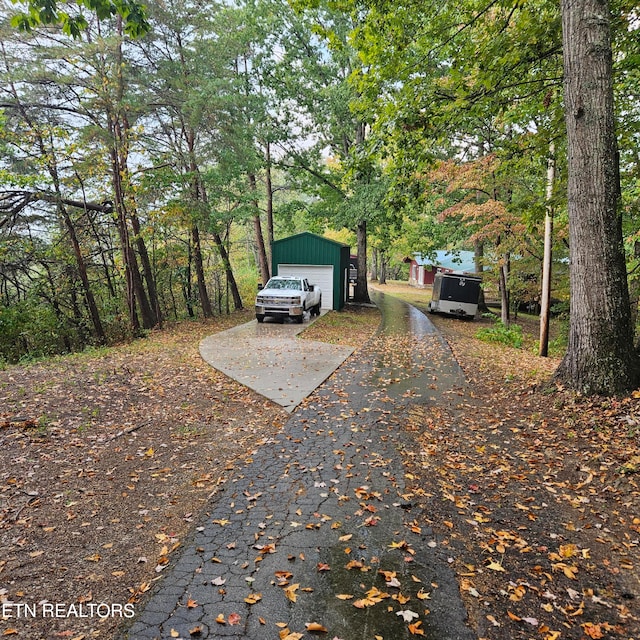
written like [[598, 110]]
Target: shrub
[[510, 336], [28, 330]]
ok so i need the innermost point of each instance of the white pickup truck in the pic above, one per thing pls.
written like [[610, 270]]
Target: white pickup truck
[[288, 297]]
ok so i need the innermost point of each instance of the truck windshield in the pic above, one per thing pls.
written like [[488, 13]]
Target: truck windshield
[[284, 284]]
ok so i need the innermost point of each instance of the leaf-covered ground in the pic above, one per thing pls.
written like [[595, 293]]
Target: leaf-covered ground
[[107, 458], [538, 492]]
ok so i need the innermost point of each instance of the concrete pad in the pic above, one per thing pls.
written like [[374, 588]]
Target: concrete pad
[[271, 360]]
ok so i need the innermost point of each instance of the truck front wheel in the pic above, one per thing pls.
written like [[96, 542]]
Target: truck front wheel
[[259, 318]]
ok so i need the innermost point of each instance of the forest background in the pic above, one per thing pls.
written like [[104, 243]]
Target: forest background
[[144, 178]]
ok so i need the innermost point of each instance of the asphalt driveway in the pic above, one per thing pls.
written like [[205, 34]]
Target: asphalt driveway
[[318, 531]]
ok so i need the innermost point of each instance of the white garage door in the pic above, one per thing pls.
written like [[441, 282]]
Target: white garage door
[[321, 274]]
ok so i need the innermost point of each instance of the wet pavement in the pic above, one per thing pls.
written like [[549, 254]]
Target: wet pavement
[[268, 358], [319, 527]]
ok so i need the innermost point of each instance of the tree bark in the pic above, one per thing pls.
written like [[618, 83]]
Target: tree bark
[[383, 268], [478, 259], [231, 280], [98, 330], [269, 189], [505, 311], [199, 194], [361, 293], [263, 261], [149, 278], [545, 296], [600, 358], [374, 264], [135, 288], [118, 126], [186, 285], [207, 309]]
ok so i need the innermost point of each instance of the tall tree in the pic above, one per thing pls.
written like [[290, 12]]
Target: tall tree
[[43, 158], [195, 136], [599, 358]]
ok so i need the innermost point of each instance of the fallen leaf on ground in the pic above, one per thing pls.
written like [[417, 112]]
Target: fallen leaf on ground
[[407, 615]]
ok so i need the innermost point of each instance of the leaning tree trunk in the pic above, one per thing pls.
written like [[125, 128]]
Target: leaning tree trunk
[[600, 357], [98, 330], [231, 280]]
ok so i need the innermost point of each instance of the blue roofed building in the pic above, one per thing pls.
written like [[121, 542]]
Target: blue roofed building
[[422, 270]]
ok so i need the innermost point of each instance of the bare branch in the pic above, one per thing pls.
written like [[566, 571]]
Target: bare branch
[[13, 202]]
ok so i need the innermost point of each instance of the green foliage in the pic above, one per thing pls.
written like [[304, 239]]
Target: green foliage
[[356, 102], [47, 12], [510, 336], [29, 330]]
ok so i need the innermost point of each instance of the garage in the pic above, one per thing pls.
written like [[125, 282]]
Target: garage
[[322, 261], [322, 275]]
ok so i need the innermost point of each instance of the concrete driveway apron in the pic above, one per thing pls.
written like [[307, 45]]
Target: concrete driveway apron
[[319, 526], [268, 358]]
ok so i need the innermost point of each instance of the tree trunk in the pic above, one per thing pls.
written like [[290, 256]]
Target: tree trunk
[[374, 264], [98, 330], [361, 293], [504, 291], [263, 261], [147, 270], [186, 286], [118, 126], [135, 288], [600, 358], [123, 232], [237, 300], [269, 189], [56, 308], [67, 223], [478, 258], [545, 296], [199, 195], [205, 302], [383, 268]]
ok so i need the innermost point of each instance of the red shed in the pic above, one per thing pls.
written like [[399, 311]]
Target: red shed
[[422, 271]]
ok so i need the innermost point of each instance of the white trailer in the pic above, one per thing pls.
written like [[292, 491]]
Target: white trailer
[[456, 294]]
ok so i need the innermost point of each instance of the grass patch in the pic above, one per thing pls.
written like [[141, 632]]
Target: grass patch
[[351, 327]]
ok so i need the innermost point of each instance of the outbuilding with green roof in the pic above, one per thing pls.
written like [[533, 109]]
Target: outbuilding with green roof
[[322, 261]]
